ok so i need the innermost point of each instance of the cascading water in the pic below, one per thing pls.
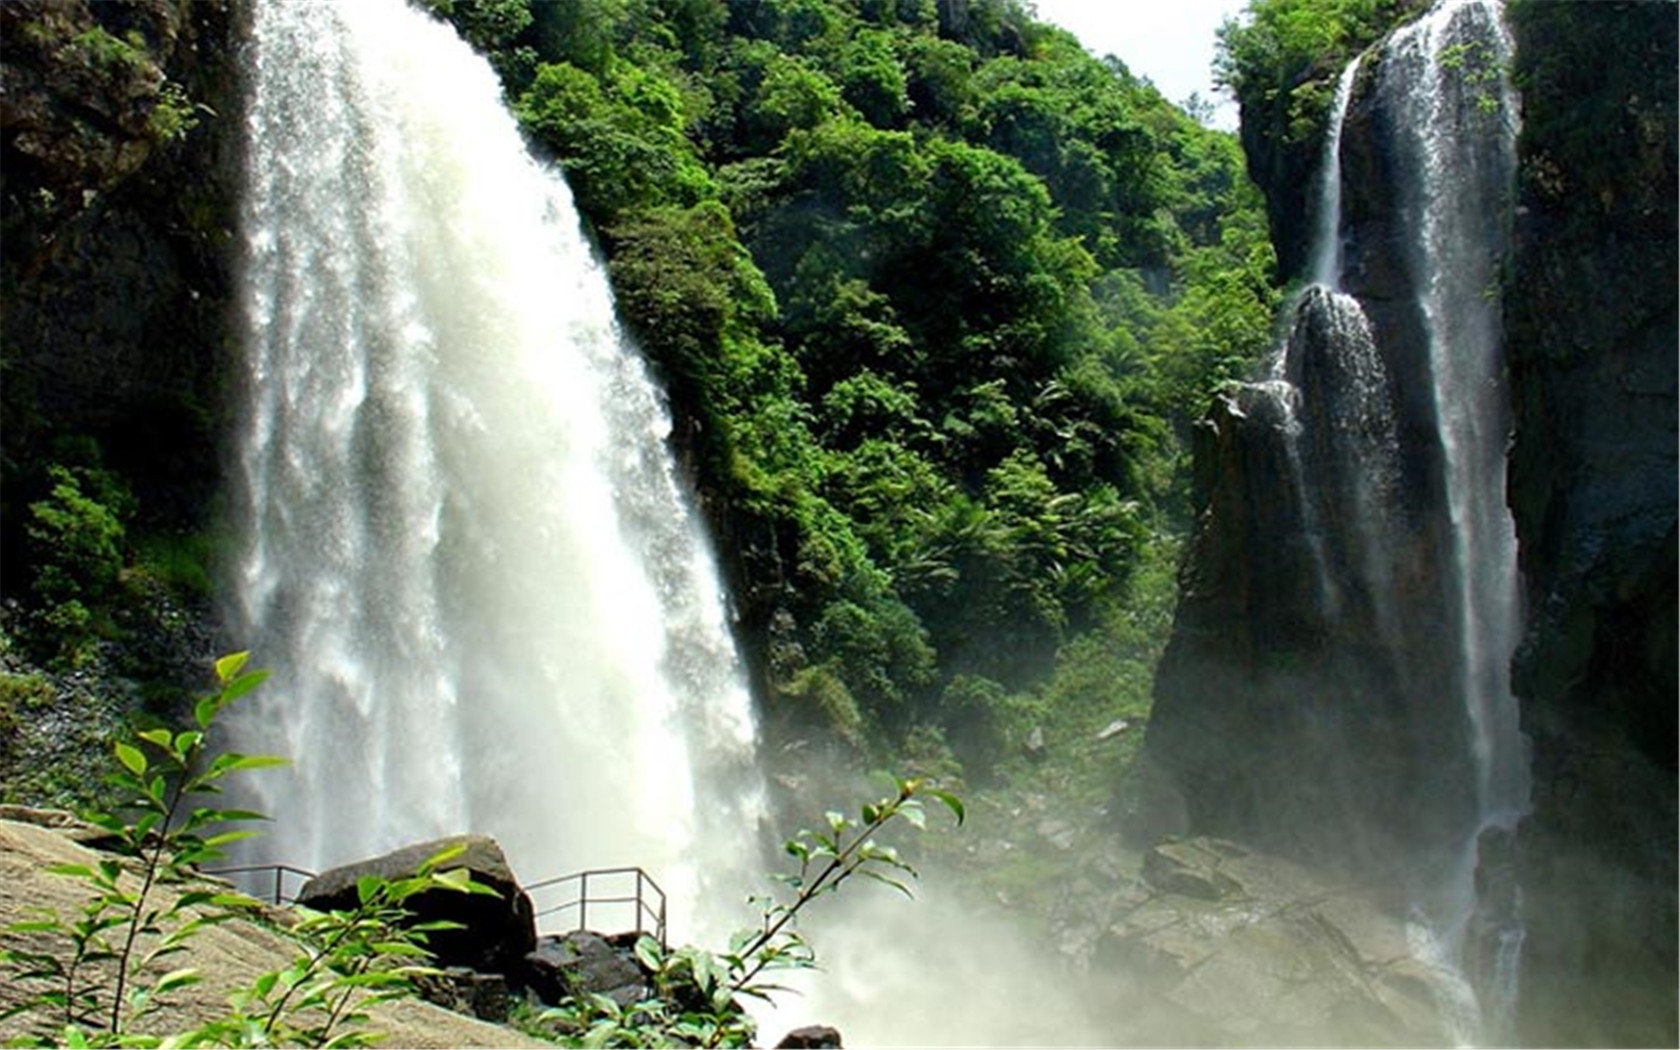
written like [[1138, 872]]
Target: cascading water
[[1438, 84], [467, 560]]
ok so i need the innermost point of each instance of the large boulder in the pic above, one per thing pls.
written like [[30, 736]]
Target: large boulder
[[496, 932]]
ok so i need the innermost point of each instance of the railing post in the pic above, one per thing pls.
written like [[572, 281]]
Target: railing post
[[583, 901]]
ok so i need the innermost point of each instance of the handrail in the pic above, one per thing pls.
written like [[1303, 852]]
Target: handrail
[[648, 899], [280, 872]]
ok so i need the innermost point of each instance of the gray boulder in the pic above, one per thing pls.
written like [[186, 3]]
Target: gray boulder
[[495, 932], [585, 963], [1227, 946]]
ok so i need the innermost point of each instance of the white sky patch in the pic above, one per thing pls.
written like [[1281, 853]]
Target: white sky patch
[[1169, 41]]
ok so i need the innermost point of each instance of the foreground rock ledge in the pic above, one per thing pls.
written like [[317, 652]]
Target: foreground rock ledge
[[229, 955]]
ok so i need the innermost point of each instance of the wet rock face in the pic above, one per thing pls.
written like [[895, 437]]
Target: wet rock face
[[1591, 320], [119, 132], [1282, 717], [1335, 602], [1231, 947]]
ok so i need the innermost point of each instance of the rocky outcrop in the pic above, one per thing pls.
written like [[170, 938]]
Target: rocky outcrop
[[1591, 322], [1280, 719], [583, 963], [119, 138], [1314, 695], [229, 955], [493, 932], [1244, 720], [1222, 946]]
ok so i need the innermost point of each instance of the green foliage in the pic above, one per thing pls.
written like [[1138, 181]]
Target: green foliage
[[872, 79], [1287, 55], [619, 136], [78, 532], [162, 775], [76, 536], [937, 307], [107, 970], [937, 299], [103, 50], [174, 114]]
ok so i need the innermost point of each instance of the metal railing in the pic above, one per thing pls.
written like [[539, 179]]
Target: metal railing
[[635, 891], [632, 890], [281, 872]]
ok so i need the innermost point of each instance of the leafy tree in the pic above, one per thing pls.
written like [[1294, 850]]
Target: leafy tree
[[872, 80], [621, 138]]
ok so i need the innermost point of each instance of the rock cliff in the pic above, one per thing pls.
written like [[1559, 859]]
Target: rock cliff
[[1312, 698], [1591, 326], [118, 147], [1263, 684]]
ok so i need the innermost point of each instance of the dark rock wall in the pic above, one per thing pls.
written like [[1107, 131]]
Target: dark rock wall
[[119, 131], [1591, 342], [1282, 719], [1591, 335], [1308, 699]]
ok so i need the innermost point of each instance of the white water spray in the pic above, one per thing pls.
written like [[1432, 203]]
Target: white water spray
[[467, 559]]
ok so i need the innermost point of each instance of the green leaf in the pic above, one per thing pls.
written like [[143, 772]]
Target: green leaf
[[241, 685], [230, 665], [216, 841], [132, 757], [913, 813], [176, 979], [454, 879], [367, 886], [442, 857], [41, 926], [160, 737], [648, 953], [952, 803], [888, 880], [227, 763], [231, 815]]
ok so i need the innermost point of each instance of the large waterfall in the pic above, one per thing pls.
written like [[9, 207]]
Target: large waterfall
[[466, 557], [1415, 401]]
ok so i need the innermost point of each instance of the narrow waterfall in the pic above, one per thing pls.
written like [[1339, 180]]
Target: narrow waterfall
[[1447, 118], [467, 559]]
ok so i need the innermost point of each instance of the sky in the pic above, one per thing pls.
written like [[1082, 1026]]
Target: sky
[[1168, 41]]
